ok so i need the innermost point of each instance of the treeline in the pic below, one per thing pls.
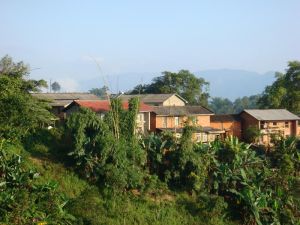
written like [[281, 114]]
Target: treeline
[[225, 106]]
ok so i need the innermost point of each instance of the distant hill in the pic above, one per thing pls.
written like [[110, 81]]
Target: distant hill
[[236, 83], [226, 83]]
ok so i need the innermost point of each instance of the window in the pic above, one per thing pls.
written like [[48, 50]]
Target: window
[[262, 125], [286, 124], [198, 137], [176, 121], [274, 123], [140, 117], [204, 137], [194, 120], [164, 122]]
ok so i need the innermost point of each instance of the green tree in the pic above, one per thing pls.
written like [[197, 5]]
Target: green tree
[[19, 111], [184, 83], [225, 106], [245, 103], [221, 105], [20, 71], [285, 91], [55, 86], [100, 92]]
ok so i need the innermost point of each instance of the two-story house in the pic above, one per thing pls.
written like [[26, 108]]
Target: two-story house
[[173, 118], [270, 122]]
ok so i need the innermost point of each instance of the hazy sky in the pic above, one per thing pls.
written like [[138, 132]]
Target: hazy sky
[[61, 37]]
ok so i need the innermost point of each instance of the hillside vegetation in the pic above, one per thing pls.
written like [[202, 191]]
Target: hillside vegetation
[[94, 170]]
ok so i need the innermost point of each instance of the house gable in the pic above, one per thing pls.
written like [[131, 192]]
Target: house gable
[[174, 100]]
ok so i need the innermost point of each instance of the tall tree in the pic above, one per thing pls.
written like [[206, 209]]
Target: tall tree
[[19, 111], [285, 91], [55, 86], [184, 83]]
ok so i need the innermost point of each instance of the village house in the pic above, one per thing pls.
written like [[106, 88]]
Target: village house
[[270, 122], [58, 101], [144, 120], [174, 118]]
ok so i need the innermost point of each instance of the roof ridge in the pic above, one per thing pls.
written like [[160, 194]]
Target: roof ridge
[[62, 93], [267, 109]]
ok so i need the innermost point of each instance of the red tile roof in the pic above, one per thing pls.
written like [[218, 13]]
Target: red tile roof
[[104, 105]]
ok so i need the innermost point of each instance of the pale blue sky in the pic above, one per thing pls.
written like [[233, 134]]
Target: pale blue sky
[[60, 37]]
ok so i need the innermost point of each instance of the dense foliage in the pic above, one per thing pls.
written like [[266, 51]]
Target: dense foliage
[[107, 150], [22, 200], [19, 111], [258, 189], [285, 91]]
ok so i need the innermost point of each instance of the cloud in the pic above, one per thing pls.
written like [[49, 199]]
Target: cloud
[[68, 84]]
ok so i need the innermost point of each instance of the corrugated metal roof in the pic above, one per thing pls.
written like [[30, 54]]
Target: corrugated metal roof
[[63, 99], [271, 114], [104, 105], [225, 118], [181, 110], [151, 98]]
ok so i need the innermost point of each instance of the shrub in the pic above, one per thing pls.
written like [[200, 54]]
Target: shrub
[[24, 202], [105, 152]]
